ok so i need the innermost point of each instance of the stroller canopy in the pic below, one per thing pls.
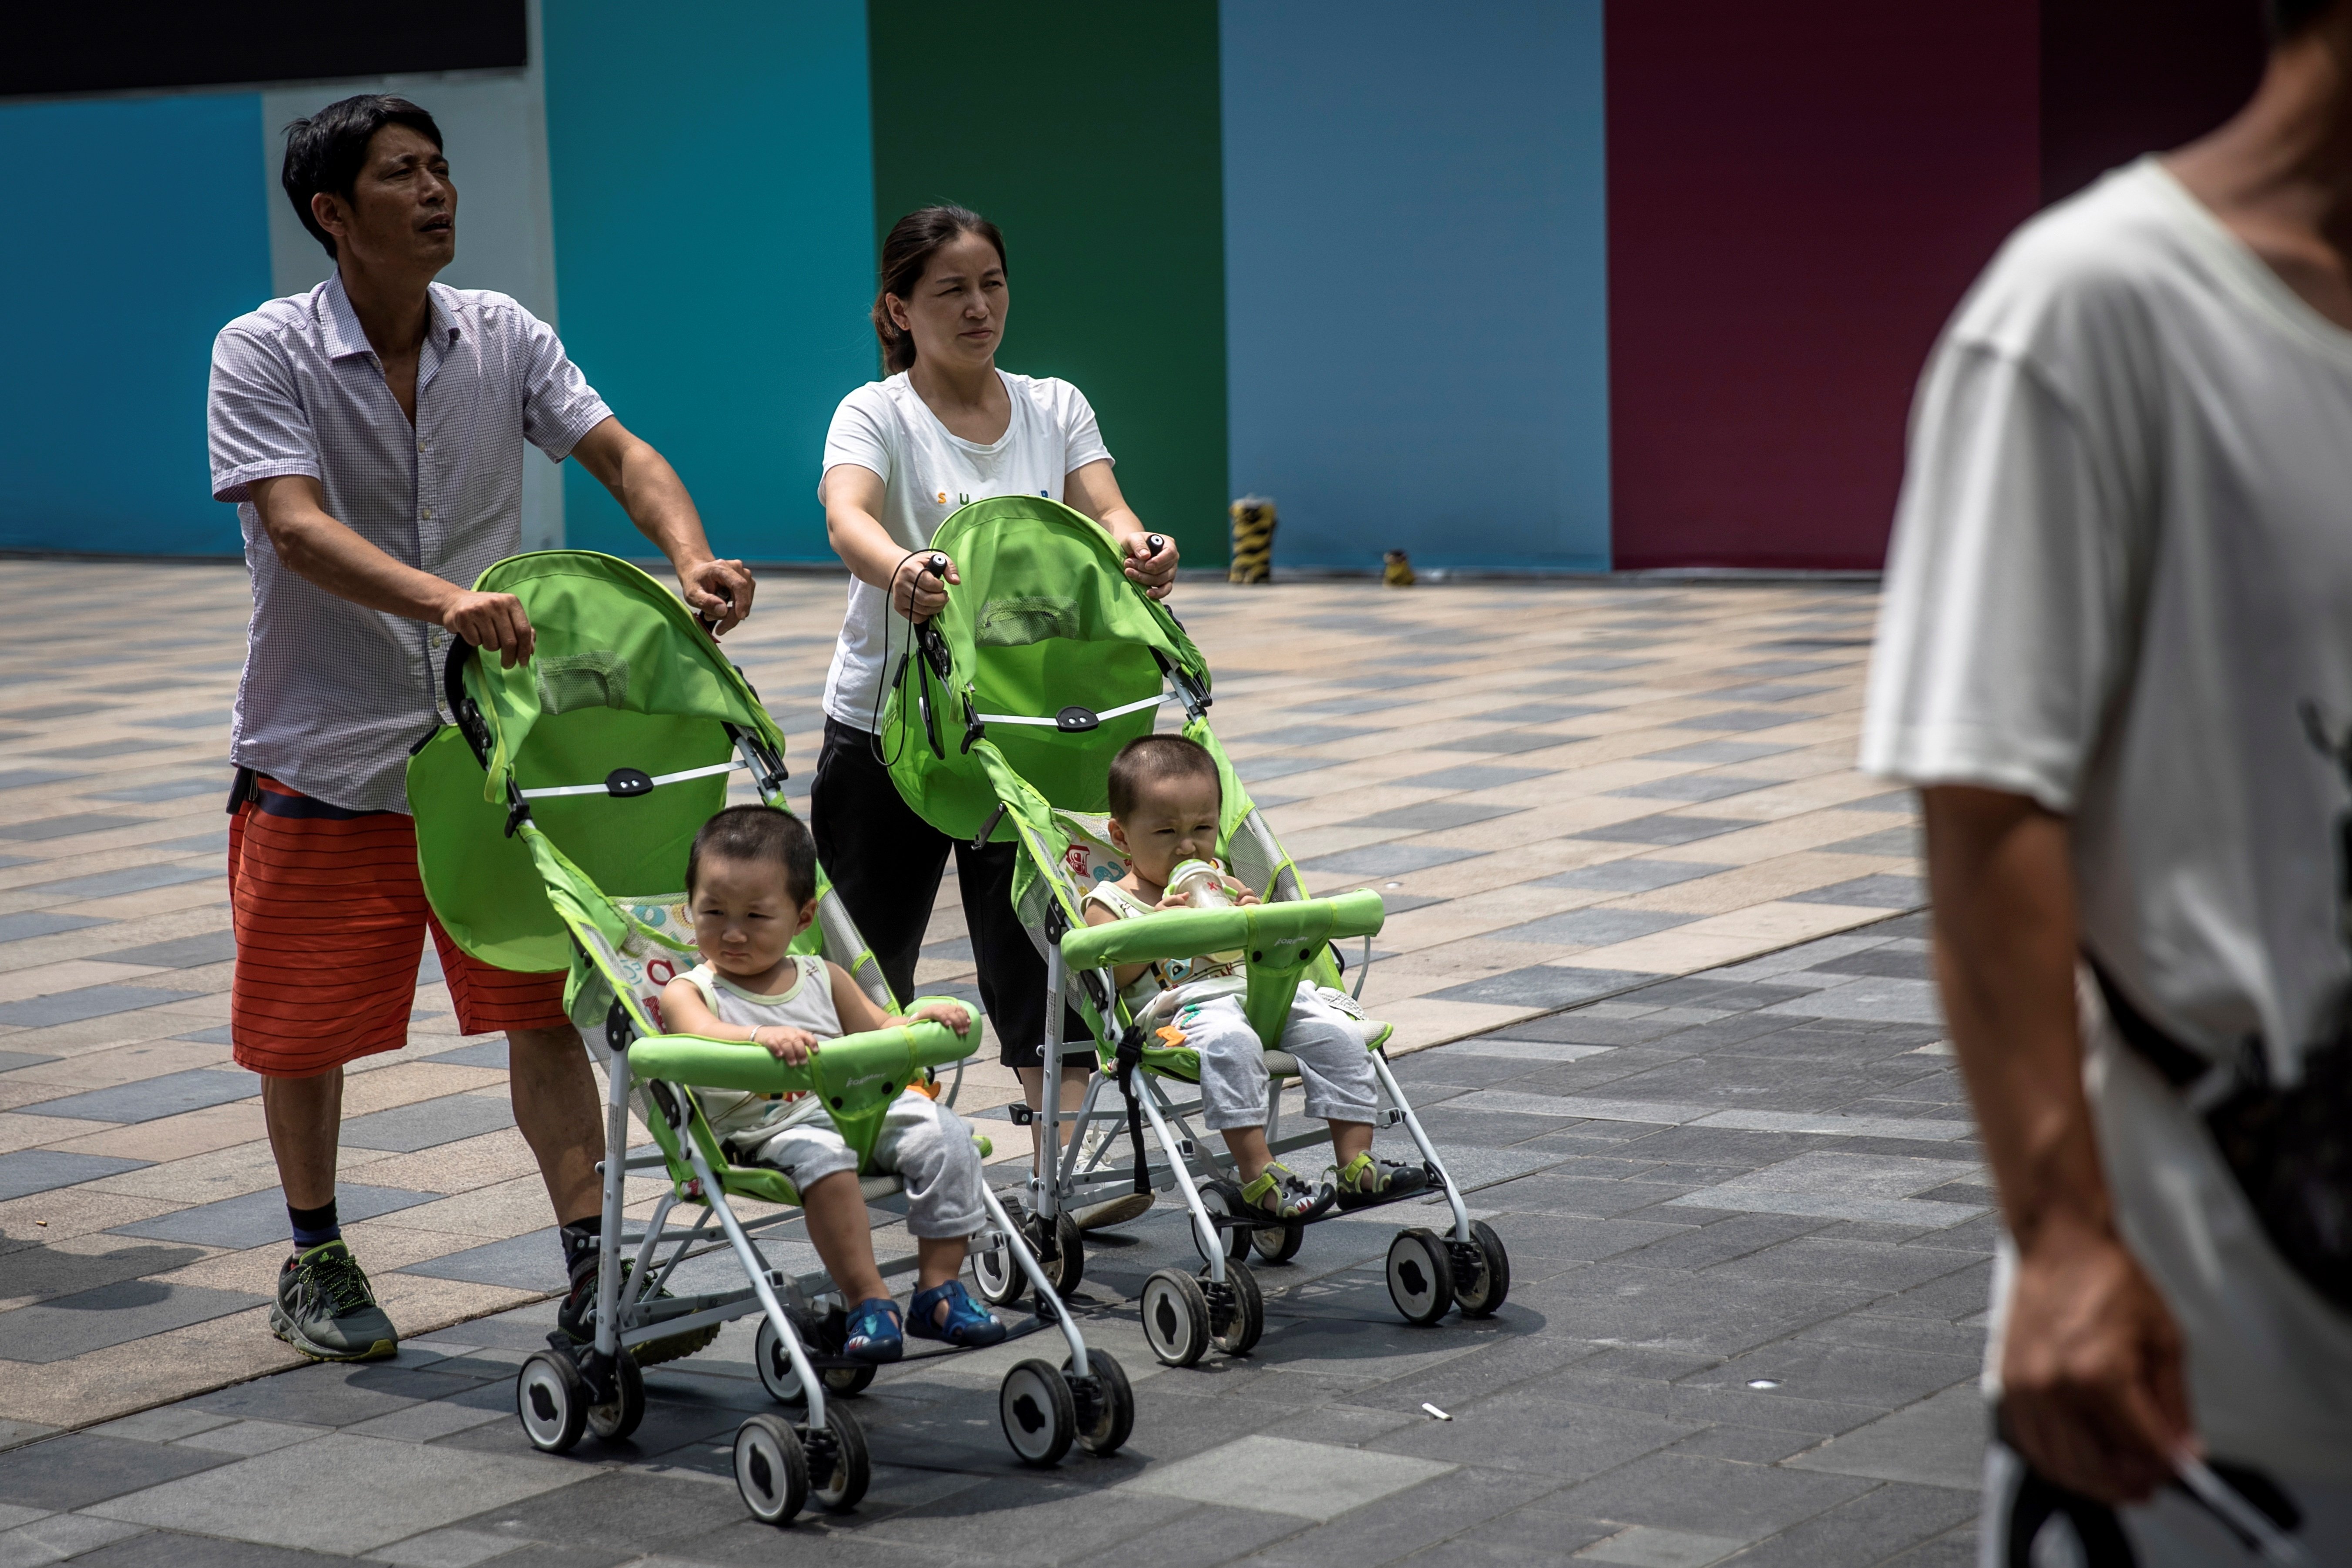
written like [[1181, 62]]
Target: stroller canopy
[[591, 767], [1047, 649]]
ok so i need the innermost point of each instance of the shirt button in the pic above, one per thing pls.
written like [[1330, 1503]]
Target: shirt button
[[428, 515]]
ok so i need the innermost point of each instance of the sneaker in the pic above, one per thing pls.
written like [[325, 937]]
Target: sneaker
[[326, 1309], [577, 1318], [872, 1333], [1283, 1193], [1367, 1182], [970, 1325]]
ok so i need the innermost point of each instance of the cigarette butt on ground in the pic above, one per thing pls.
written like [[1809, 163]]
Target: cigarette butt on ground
[[1433, 1410]]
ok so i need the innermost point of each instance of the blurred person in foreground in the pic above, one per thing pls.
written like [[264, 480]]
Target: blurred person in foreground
[[2115, 657]]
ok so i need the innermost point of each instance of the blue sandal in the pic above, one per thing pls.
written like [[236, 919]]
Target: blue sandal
[[970, 1325], [872, 1332]]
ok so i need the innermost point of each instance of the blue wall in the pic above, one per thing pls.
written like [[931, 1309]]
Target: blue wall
[[713, 183], [1416, 290], [140, 234]]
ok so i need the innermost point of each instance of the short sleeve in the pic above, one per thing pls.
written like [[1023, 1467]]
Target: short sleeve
[[559, 406], [859, 434], [2002, 629], [1081, 436], [255, 422]]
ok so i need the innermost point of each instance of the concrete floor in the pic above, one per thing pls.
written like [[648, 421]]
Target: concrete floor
[[1747, 1224]]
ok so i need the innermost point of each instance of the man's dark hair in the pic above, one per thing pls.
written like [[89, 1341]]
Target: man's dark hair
[[1150, 760], [326, 152], [2289, 17], [758, 833]]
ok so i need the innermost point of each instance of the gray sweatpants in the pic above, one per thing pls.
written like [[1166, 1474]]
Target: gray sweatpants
[[926, 1144], [1330, 1047]]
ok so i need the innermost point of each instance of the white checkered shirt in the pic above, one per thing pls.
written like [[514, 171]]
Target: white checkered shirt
[[334, 694]]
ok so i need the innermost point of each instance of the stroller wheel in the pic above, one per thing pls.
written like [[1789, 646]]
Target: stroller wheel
[[1104, 1421], [996, 1271], [838, 1470], [1237, 1311], [1482, 1271], [1421, 1276], [1222, 1197], [1040, 1419], [1175, 1318], [1278, 1243], [771, 1470], [615, 1420], [784, 1384], [552, 1400], [1068, 1264]]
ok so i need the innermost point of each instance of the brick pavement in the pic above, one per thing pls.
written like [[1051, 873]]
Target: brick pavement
[[1758, 1176]]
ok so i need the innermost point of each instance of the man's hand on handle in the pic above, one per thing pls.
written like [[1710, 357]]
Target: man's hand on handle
[[494, 621], [2093, 1391], [719, 592]]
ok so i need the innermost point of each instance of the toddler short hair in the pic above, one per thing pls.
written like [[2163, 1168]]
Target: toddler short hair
[[758, 833], [1153, 759]]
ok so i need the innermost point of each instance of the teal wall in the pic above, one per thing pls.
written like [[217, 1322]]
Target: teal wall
[[136, 239], [713, 193]]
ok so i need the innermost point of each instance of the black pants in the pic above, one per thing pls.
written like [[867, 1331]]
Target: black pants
[[886, 863]]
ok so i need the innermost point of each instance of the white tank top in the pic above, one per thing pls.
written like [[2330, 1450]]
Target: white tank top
[[806, 1004]]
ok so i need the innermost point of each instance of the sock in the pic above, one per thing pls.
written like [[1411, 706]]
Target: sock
[[580, 1241], [314, 1228]]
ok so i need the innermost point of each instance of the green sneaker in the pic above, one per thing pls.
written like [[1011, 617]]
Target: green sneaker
[[1366, 1182], [327, 1310]]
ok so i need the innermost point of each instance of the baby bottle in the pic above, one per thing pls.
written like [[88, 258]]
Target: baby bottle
[[1198, 884]]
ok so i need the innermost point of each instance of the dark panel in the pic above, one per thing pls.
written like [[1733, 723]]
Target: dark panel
[[59, 49], [1090, 134], [1798, 196], [2120, 78]]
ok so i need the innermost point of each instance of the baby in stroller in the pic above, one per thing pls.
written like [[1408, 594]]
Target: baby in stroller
[[751, 883], [1166, 802]]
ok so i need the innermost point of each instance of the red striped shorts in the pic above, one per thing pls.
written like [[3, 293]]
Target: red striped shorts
[[330, 916]]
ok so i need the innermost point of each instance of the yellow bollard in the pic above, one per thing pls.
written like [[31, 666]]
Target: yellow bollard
[[1396, 570], [1253, 541]]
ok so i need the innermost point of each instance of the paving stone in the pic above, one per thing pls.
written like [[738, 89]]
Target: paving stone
[[1892, 960], [427, 1123], [129, 880], [60, 1536], [1665, 830], [146, 1100], [25, 778], [89, 1002], [11, 1061], [180, 953], [1642, 1546], [113, 1314], [1696, 787], [77, 1469], [530, 1262], [170, 789], [1825, 1185], [204, 720], [1885, 892], [223, 1035], [1635, 874], [1872, 1000], [245, 1438], [163, 1423], [1542, 986], [444, 1549], [425, 1422], [1523, 1050], [1385, 860], [1742, 718], [1937, 1442], [1864, 1530], [412, 1487], [1251, 770], [1471, 775], [256, 1219], [1435, 815], [489, 1053], [1661, 1308], [28, 923], [30, 1171], [1721, 752], [1508, 743], [61, 827], [1767, 691], [1590, 927], [1713, 1497]]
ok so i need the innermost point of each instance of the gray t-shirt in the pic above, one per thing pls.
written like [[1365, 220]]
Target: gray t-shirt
[[2121, 575]]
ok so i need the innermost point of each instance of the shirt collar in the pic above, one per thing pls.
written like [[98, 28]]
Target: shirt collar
[[345, 337]]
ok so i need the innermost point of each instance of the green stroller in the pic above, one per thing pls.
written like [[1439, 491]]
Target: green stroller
[[1003, 722], [536, 801]]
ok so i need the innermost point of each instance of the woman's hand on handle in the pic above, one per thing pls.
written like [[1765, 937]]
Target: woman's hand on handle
[[1152, 563], [918, 589]]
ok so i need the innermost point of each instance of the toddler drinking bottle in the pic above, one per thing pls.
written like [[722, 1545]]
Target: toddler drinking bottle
[[1198, 884]]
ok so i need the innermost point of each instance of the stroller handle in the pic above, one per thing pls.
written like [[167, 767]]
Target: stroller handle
[[1256, 930]]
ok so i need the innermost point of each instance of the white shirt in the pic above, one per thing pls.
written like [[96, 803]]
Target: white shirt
[[806, 1004], [333, 695], [928, 474], [2122, 569]]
